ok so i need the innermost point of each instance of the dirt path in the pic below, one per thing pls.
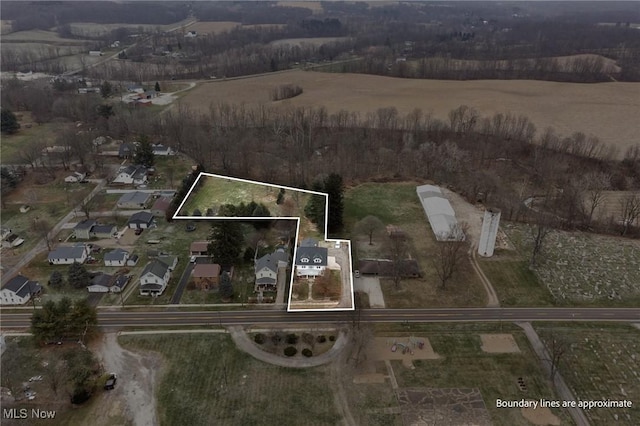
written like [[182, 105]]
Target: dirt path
[[137, 375]]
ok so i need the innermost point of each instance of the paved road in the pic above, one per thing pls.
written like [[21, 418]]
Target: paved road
[[124, 318], [177, 295]]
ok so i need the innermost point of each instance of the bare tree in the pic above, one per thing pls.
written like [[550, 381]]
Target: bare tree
[[449, 253], [398, 247], [630, 211], [539, 231], [597, 184], [43, 228], [369, 225], [556, 349]]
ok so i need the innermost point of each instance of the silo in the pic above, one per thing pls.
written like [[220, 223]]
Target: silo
[[490, 225]]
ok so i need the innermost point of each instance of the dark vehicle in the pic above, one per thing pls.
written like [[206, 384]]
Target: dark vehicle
[[138, 231], [111, 382], [190, 227]]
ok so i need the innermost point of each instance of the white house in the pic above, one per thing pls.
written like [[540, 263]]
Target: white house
[[12, 240], [18, 290], [75, 177], [191, 34], [134, 200], [266, 270], [66, 255], [117, 257], [95, 53], [154, 279], [136, 175], [159, 149], [311, 261], [101, 283]]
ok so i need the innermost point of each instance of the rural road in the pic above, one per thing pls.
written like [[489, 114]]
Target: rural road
[[124, 318]]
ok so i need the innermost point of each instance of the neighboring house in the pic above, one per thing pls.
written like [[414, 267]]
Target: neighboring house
[[66, 255], [84, 90], [18, 290], [149, 94], [311, 261], [126, 150], [133, 260], [12, 240], [191, 34], [266, 270], [161, 206], [154, 278], [162, 150], [131, 175], [170, 261], [95, 53], [4, 232], [75, 177], [103, 231], [134, 200], [206, 276], [140, 220], [135, 89], [199, 248], [120, 283], [101, 283], [83, 229], [117, 257]]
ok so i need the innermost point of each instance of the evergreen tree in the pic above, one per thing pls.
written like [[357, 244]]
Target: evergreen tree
[[9, 122], [106, 90], [280, 198], [314, 209], [226, 288], [157, 87], [64, 319], [78, 277], [225, 241], [144, 152], [105, 111], [56, 280], [334, 187]]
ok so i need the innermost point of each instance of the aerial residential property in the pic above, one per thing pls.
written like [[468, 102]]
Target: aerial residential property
[[320, 213]]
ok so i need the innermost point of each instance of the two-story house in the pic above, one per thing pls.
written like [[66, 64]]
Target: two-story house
[[154, 278], [311, 261]]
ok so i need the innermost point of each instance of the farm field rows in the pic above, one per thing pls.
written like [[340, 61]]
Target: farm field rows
[[567, 107]]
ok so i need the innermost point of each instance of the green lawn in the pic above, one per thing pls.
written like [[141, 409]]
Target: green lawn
[[601, 361], [206, 381], [516, 284], [43, 134]]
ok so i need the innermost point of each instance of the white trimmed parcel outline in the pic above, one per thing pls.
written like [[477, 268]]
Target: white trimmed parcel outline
[[296, 218]]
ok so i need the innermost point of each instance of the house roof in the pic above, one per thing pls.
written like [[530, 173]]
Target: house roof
[[66, 252], [85, 224], [199, 246], [267, 261], [104, 280], [206, 270], [162, 204], [135, 197], [157, 268], [21, 286], [121, 281], [134, 171], [168, 260], [309, 242], [141, 217], [117, 254], [103, 229], [125, 149], [266, 280], [316, 256]]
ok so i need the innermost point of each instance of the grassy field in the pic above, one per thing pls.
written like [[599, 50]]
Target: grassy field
[[207, 381], [601, 362], [397, 204], [40, 35], [463, 364], [204, 27], [565, 106], [584, 269], [516, 284], [315, 41], [43, 134]]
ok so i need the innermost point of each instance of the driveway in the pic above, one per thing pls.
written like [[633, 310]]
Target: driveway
[[342, 258], [182, 284], [371, 286]]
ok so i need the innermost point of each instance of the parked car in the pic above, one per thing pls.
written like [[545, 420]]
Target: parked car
[[193, 259], [111, 382], [190, 227]]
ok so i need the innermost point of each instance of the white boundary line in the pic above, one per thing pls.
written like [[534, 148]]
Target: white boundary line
[[176, 216]]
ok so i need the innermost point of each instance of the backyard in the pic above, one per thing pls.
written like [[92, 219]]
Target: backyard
[[396, 203]]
